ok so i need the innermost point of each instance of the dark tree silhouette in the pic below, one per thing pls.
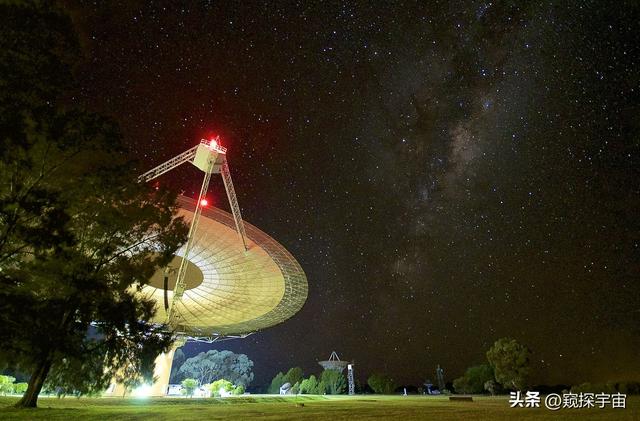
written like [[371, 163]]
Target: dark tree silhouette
[[78, 234], [510, 362]]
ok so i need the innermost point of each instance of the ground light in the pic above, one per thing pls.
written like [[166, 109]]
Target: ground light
[[142, 391]]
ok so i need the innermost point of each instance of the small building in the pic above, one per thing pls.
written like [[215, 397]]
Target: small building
[[285, 389]]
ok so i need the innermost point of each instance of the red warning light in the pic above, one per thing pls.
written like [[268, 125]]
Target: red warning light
[[214, 144], [204, 203]]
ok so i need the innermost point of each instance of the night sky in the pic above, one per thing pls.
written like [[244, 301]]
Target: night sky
[[447, 173]]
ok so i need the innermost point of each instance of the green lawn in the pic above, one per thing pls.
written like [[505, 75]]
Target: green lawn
[[334, 408]]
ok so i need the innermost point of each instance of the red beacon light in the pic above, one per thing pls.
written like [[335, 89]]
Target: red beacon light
[[204, 203], [214, 144]]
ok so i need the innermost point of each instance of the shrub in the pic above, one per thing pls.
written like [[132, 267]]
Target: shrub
[[189, 386], [334, 382], [474, 379], [277, 381], [295, 389], [20, 387], [309, 386], [221, 385], [461, 385], [381, 383], [6, 384]]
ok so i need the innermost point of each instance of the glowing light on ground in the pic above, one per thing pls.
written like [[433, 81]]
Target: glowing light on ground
[[142, 391]]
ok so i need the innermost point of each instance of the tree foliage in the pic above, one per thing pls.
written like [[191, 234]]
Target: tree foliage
[[20, 388], [78, 234], [381, 383], [189, 386], [295, 389], [461, 385], [510, 362], [491, 386], [474, 379], [309, 386], [178, 359], [221, 385], [6, 384], [37, 48], [213, 365], [294, 375], [225, 385], [277, 381], [334, 382]]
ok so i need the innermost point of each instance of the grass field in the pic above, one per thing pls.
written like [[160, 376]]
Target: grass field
[[334, 408]]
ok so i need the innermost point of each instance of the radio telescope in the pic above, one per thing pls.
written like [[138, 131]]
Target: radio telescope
[[229, 280], [228, 291], [334, 363]]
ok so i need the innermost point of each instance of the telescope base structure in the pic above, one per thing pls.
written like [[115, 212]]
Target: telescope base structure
[[161, 374]]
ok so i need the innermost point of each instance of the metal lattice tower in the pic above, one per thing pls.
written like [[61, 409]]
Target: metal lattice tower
[[352, 385]]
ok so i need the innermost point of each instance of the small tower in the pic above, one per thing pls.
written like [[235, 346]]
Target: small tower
[[352, 385]]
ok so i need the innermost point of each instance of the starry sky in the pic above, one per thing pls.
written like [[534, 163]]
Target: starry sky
[[447, 173]]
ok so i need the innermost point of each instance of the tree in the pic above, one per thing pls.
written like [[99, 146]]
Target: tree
[[293, 376], [78, 234], [491, 386], [189, 386], [33, 73], [309, 386], [461, 385], [510, 362], [276, 382], [474, 379], [119, 233], [239, 390], [334, 382], [381, 383], [6, 384], [20, 388], [178, 360], [211, 365], [221, 385], [295, 389]]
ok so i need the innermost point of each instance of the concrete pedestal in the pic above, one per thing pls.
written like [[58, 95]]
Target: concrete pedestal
[[161, 373]]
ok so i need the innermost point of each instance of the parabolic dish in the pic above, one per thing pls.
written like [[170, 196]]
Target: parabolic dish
[[230, 291]]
